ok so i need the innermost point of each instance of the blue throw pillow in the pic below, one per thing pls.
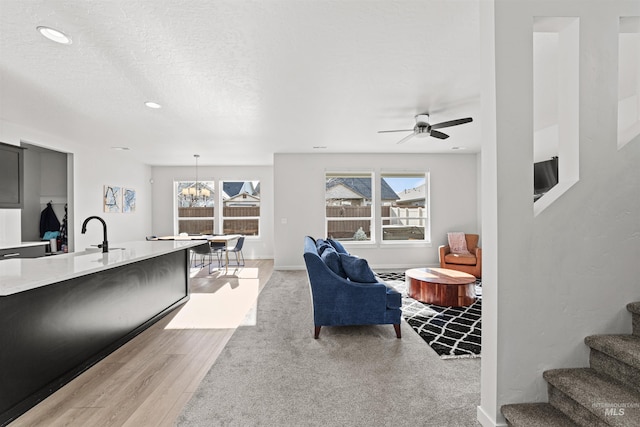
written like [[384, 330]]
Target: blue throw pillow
[[357, 269], [321, 245], [337, 246], [332, 260]]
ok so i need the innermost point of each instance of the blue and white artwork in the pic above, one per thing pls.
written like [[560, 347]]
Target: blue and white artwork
[[129, 200], [112, 197]]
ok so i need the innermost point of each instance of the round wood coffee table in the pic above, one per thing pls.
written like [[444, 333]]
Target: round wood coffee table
[[441, 286]]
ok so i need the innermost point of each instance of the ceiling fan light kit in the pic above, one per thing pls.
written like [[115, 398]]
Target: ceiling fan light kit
[[424, 129]]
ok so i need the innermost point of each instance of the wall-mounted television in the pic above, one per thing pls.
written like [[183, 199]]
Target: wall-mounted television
[[545, 176], [11, 176]]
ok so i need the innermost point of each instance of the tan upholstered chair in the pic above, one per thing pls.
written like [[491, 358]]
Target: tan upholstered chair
[[471, 263]]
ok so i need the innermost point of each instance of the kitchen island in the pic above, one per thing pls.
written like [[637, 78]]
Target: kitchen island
[[60, 315]]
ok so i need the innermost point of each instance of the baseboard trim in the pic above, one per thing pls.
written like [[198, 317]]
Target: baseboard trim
[[378, 267], [486, 420], [289, 267]]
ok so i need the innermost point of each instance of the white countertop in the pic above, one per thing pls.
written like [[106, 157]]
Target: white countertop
[[7, 245], [18, 275]]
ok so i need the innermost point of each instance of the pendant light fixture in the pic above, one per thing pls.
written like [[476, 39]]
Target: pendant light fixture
[[196, 195]]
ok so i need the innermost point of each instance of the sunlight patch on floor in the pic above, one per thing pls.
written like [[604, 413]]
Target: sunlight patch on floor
[[227, 308], [246, 273], [193, 271], [239, 272]]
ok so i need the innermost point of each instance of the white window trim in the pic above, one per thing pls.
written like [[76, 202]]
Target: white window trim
[[177, 219], [427, 240], [355, 174], [219, 226], [376, 209]]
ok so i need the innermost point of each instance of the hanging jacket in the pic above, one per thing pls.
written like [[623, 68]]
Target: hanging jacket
[[48, 220]]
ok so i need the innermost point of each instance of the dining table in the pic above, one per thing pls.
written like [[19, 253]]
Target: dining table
[[211, 238]]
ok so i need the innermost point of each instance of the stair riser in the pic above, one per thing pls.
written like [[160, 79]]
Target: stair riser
[[616, 369], [534, 415], [572, 409]]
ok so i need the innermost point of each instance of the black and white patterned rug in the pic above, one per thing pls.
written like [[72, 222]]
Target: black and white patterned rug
[[452, 332]]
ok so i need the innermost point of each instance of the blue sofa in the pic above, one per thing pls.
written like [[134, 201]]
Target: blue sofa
[[345, 291]]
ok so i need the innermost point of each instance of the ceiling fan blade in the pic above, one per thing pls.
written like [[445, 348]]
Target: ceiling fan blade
[[399, 130], [451, 123], [406, 138], [439, 135]]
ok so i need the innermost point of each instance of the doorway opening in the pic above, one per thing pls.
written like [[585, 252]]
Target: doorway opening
[[48, 179]]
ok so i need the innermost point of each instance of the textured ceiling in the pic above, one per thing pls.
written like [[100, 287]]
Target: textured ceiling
[[240, 80]]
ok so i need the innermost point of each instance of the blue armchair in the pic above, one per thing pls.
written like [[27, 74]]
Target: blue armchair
[[338, 300]]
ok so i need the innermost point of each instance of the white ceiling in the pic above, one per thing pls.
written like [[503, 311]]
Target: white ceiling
[[240, 80]]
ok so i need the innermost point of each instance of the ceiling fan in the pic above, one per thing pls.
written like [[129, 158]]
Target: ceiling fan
[[423, 128]]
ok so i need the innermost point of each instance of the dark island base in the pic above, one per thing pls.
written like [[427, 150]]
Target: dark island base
[[52, 334]]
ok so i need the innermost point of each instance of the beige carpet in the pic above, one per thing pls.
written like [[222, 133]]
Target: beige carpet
[[273, 373]]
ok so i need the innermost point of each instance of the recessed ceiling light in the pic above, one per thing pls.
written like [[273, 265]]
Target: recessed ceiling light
[[152, 104], [120, 148], [54, 35]]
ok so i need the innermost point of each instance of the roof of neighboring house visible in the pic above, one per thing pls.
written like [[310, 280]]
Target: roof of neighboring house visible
[[362, 186], [411, 194], [232, 188]]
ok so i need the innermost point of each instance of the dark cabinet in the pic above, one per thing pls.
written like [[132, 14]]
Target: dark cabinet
[[11, 177], [23, 252]]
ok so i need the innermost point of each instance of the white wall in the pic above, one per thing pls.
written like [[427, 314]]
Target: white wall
[[260, 247], [569, 271], [92, 168], [299, 181], [30, 215]]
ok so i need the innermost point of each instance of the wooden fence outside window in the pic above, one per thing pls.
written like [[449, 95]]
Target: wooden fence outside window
[[243, 220]]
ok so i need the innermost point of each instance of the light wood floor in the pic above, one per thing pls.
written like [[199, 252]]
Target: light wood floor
[[148, 381]]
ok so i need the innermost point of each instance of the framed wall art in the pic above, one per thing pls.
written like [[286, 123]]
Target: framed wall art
[[112, 198], [128, 200]]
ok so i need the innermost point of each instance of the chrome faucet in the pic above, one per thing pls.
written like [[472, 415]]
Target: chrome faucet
[[105, 244]]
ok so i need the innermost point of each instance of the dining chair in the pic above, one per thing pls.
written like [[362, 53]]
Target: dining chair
[[203, 251], [237, 249], [216, 248]]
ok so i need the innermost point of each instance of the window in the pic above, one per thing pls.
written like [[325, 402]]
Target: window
[[241, 207], [628, 79], [348, 200], [195, 207], [556, 107], [403, 207]]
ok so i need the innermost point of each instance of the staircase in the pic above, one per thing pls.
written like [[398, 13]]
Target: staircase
[[605, 394]]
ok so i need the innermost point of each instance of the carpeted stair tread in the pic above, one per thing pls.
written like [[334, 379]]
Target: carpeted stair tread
[[625, 348], [594, 391], [535, 415]]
